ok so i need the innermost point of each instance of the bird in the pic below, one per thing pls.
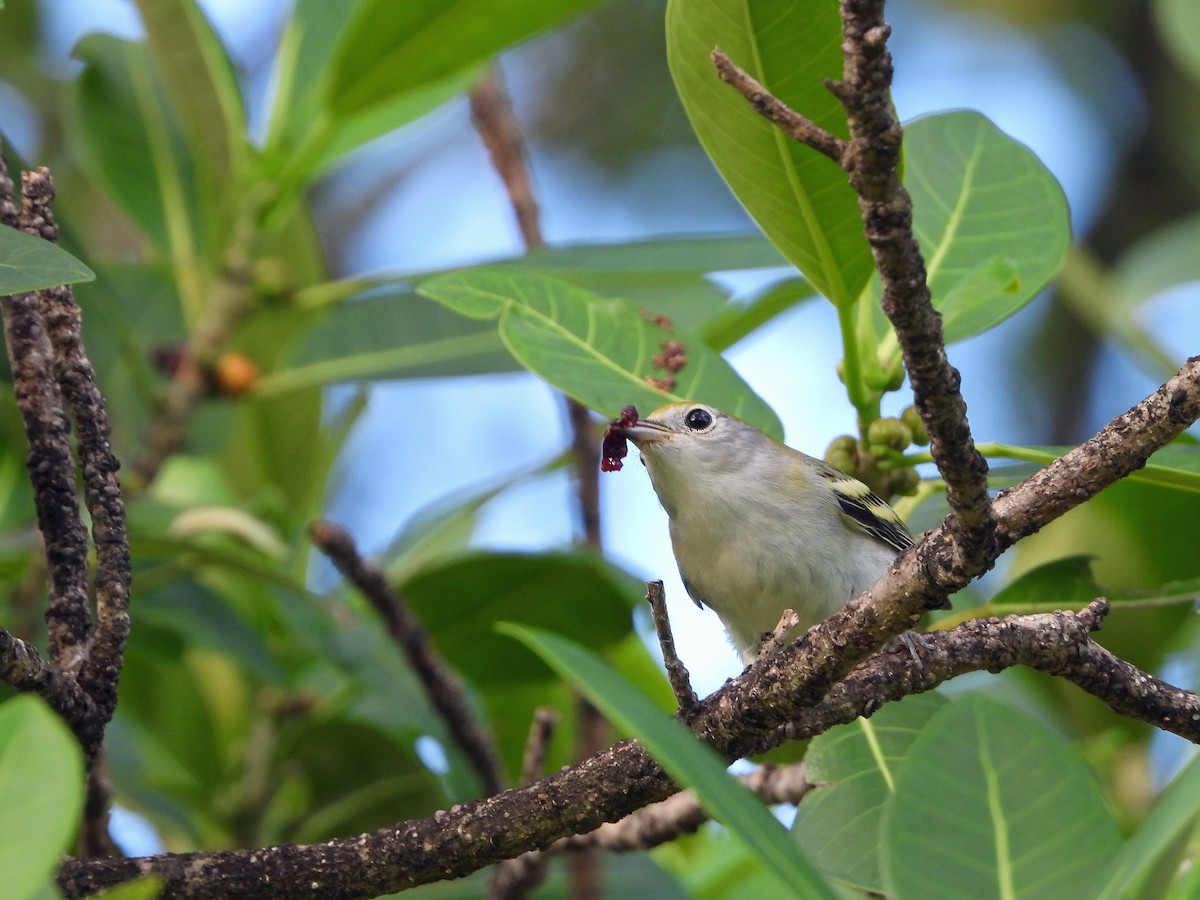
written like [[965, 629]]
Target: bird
[[758, 527]]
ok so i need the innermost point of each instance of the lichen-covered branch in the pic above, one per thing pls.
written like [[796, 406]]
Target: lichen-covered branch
[[623, 778], [871, 160], [739, 717], [51, 468], [51, 377], [101, 667]]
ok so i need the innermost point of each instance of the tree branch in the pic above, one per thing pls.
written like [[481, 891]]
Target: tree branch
[[622, 778], [924, 576], [22, 667], [51, 467], [101, 668], [871, 161], [793, 124], [515, 878], [445, 691]]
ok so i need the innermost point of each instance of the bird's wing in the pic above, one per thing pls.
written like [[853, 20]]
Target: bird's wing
[[867, 510]]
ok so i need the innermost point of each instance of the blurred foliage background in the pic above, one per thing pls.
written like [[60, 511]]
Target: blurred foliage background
[[267, 185]]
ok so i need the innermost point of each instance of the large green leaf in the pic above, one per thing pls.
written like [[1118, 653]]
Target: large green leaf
[[202, 86], [380, 329], [799, 198], [989, 803], [459, 601], [992, 221], [41, 794], [130, 145], [390, 48], [351, 777], [1150, 859], [304, 136], [349, 72], [598, 351], [838, 824], [389, 334], [29, 263], [688, 760], [672, 277]]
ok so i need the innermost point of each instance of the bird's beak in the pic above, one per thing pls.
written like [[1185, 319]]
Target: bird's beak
[[645, 432]]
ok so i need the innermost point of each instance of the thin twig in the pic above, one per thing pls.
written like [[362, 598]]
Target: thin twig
[[492, 114], [537, 745], [228, 302], [445, 690], [779, 634], [677, 673], [770, 107]]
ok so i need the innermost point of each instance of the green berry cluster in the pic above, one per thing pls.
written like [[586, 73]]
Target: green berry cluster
[[886, 440]]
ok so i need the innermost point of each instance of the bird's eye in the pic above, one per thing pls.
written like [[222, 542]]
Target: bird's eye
[[698, 419]]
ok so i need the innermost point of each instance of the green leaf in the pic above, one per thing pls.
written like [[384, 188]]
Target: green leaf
[[1176, 466], [735, 321], [392, 334], [1150, 859], [148, 887], [1180, 31], [443, 529], [799, 198], [29, 263], [687, 759], [459, 601], [1161, 260], [200, 81], [672, 277], [838, 823], [391, 48], [131, 147], [381, 329], [1065, 583], [992, 221], [989, 803], [128, 312], [352, 71], [304, 137], [596, 350], [41, 794]]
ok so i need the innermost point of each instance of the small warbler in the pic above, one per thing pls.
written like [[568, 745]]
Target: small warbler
[[758, 527]]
